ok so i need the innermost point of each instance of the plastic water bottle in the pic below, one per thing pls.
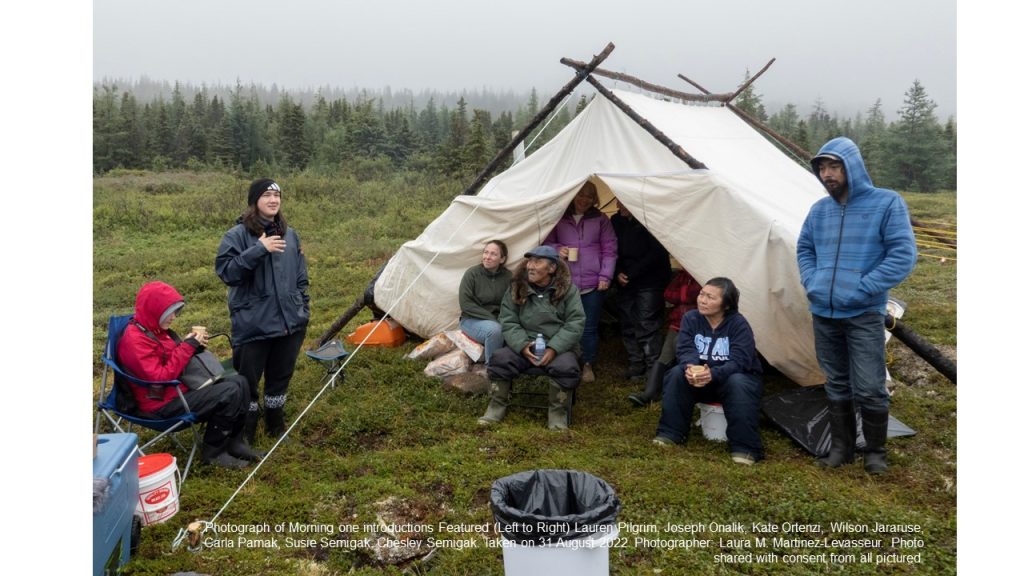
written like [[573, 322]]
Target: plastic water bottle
[[539, 346]]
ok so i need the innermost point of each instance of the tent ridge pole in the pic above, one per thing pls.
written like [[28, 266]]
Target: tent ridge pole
[[643, 84], [660, 136], [581, 74]]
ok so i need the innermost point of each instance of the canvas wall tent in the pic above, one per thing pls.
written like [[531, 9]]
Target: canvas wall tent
[[740, 218]]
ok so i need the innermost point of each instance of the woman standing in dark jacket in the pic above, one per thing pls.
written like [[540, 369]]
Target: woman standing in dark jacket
[[261, 261]]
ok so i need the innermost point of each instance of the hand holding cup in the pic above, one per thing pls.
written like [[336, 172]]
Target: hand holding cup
[[698, 375]]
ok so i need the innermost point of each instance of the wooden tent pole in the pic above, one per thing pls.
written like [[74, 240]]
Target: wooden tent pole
[[644, 85], [473, 188], [923, 348], [793, 147], [749, 82], [344, 319], [694, 84], [660, 136], [581, 74]]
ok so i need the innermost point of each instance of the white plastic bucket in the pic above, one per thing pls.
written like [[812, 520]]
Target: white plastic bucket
[[712, 421], [158, 488], [581, 557]]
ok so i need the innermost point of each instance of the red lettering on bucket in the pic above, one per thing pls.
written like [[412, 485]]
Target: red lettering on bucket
[[157, 496]]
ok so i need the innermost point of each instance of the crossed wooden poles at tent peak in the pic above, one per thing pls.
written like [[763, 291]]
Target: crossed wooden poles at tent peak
[[587, 71]]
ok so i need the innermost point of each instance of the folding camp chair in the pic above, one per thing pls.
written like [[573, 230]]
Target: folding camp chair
[[116, 381]]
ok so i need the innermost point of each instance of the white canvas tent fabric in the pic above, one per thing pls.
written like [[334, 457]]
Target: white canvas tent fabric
[[740, 218]]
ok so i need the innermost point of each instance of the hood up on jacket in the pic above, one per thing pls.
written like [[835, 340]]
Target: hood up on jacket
[[857, 178], [155, 299]]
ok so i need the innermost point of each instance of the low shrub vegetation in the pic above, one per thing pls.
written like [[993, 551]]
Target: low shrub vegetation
[[390, 445]]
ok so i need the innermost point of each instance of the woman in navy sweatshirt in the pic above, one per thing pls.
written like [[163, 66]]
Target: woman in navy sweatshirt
[[717, 363]]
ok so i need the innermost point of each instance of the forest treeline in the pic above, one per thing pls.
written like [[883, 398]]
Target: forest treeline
[[245, 130]]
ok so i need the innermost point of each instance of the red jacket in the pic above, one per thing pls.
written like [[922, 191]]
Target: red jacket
[[682, 293], [147, 359]]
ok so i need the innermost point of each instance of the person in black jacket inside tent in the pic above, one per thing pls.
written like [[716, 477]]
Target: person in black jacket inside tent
[[261, 261], [642, 271]]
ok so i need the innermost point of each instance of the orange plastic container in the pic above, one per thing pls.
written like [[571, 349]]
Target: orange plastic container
[[388, 334]]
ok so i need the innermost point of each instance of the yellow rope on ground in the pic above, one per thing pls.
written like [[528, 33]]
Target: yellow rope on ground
[[947, 258], [939, 246], [936, 233]]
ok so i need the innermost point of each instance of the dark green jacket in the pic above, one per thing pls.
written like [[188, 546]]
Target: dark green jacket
[[561, 323], [480, 292]]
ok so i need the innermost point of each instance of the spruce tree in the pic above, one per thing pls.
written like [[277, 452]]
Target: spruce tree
[[916, 155], [750, 102]]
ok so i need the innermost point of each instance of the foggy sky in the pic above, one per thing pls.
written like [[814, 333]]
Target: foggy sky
[[846, 54]]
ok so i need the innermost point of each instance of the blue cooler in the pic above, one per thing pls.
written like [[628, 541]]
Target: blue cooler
[[118, 461]]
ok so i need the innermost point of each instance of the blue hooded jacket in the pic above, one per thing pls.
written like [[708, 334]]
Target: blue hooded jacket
[[851, 254]]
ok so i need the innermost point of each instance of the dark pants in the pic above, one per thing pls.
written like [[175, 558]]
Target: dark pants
[[640, 317], [851, 353], [592, 302], [222, 406], [272, 359], [740, 396], [506, 364]]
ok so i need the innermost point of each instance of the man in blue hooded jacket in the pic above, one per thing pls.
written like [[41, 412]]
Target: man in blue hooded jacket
[[854, 246]]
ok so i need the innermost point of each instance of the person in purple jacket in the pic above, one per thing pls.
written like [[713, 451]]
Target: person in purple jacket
[[584, 237]]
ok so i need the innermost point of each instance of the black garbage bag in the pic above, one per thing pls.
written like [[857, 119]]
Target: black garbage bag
[[544, 507], [803, 414]]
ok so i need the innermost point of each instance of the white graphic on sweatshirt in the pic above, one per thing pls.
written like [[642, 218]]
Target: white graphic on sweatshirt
[[720, 352]]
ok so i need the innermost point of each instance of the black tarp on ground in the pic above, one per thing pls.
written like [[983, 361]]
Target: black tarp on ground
[[803, 414]]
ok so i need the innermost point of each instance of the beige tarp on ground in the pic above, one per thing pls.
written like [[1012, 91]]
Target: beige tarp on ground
[[739, 218]]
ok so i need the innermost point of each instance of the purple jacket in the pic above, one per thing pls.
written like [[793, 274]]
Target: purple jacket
[[595, 238]]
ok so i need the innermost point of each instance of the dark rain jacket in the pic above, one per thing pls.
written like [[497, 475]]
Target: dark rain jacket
[[266, 291], [640, 256]]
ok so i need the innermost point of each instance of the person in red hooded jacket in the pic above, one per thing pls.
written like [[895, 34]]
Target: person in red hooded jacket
[[150, 350]]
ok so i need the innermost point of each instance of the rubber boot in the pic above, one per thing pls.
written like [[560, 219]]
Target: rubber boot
[[238, 446], [252, 418], [501, 393], [558, 407], [843, 424], [876, 431], [275, 422], [653, 390], [218, 456]]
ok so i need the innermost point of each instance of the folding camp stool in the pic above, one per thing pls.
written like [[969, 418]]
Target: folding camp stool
[[331, 356], [530, 394]]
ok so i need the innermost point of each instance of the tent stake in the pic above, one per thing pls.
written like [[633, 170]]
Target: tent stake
[[582, 73]]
